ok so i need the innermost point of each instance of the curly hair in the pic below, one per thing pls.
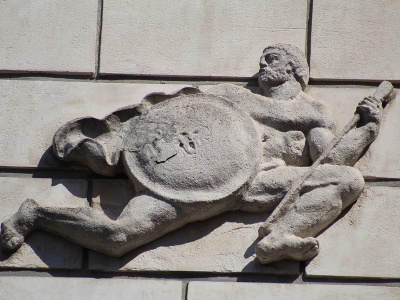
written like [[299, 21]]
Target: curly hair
[[297, 60]]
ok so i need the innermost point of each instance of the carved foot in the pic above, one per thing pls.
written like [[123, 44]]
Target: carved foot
[[264, 230], [275, 248], [15, 229]]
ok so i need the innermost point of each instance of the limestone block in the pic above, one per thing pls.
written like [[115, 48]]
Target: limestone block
[[365, 241], [355, 40], [48, 36], [342, 102], [223, 244], [46, 288], [43, 106], [41, 249], [260, 291], [200, 38], [381, 160], [32, 111]]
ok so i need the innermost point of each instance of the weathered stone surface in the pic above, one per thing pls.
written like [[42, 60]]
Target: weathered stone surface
[[355, 40], [381, 159], [49, 36], [57, 102], [223, 244], [41, 249], [219, 38], [342, 100], [47, 288], [34, 110], [260, 291], [179, 152], [365, 241], [205, 149]]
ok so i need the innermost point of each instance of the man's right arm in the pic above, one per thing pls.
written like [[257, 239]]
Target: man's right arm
[[352, 145]]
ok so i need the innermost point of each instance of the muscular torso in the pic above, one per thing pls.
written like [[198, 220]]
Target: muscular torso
[[283, 125]]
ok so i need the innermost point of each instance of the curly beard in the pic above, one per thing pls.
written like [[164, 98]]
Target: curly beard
[[268, 77]]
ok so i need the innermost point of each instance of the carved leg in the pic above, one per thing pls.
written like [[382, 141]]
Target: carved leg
[[144, 219], [293, 238], [268, 188], [15, 230], [325, 195]]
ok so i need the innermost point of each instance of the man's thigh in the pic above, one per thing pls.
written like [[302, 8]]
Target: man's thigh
[[269, 187]]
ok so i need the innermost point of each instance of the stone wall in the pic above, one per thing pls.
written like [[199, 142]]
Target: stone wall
[[62, 60]]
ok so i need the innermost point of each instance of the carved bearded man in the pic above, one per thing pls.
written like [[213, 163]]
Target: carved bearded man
[[292, 130]]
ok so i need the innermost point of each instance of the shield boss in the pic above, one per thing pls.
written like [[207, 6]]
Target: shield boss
[[192, 148]]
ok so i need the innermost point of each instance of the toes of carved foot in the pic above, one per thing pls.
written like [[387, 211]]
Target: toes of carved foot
[[11, 236], [13, 243], [308, 248], [14, 230], [10, 239], [311, 248], [286, 247]]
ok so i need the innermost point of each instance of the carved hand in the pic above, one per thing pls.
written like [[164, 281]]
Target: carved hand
[[370, 110]]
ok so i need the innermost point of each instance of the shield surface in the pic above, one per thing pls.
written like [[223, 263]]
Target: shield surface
[[192, 148]]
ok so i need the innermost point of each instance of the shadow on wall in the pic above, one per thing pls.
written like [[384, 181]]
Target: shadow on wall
[[49, 161], [192, 233]]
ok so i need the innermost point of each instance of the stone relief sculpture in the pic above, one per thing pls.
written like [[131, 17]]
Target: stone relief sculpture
[[194, 155]]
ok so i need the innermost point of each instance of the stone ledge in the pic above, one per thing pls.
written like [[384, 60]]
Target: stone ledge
[[259, 291], [48, 288]]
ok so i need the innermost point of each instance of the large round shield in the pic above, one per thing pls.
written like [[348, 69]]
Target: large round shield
[[192, 148]]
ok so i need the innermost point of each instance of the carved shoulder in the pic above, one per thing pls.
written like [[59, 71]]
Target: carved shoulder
[[319, 113], [302, 113]]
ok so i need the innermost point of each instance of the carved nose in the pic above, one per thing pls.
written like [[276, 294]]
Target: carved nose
[[263, 64]]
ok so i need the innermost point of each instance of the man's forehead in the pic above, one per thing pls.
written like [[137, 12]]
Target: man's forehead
[[273, 51]]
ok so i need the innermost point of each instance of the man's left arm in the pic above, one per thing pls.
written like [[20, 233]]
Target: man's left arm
[[352, 145]]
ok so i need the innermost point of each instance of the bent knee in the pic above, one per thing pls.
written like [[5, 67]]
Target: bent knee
[[351, 184]]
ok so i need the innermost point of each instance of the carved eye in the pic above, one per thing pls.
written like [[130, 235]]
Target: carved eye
[[272, 58]]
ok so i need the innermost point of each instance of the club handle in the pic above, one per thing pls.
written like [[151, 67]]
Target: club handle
[[385, 92]]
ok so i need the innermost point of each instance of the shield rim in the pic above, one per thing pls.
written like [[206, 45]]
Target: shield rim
[[185, 195]]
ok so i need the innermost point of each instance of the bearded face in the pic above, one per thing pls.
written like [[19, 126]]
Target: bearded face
[[275, 68]]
